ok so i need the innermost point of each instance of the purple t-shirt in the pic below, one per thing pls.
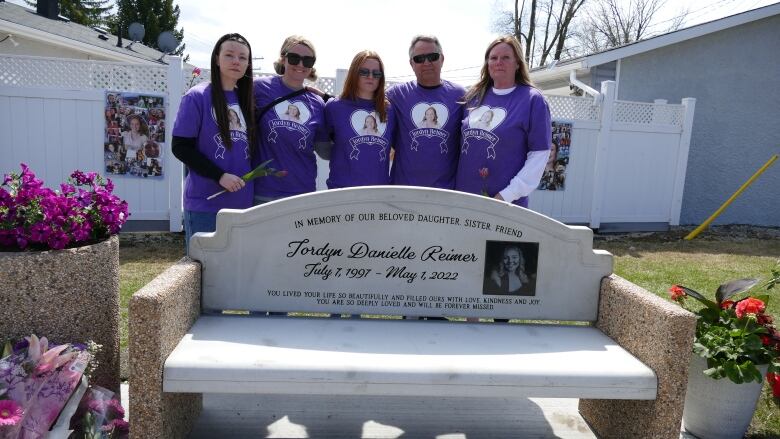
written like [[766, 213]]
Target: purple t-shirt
[[286, 135], [196, 118], [497, 135], [361, 143], [427, 135]]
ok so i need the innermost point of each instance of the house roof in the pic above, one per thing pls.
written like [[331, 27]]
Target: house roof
[[24, 22], [561, 69]]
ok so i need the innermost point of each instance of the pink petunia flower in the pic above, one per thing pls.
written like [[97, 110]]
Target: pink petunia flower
[[10, 412]]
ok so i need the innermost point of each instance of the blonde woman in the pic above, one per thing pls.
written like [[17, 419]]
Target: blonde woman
[[289, 118], [516, 154]]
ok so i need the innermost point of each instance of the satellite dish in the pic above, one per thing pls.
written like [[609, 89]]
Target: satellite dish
[[135, 32], [167, 42]]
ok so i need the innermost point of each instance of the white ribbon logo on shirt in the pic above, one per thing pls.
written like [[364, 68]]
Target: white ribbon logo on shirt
[[235, 136]]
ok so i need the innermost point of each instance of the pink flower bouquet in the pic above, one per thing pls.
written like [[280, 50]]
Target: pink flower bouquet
[[36, 381]]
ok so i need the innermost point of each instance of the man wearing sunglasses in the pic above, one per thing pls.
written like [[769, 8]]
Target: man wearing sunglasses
[[426, 151]]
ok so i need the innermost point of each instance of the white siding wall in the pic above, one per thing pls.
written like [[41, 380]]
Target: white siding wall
[[58, 131]]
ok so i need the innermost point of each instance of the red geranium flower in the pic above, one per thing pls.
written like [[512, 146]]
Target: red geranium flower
[[774, 381], [750, 305], [677, 293]]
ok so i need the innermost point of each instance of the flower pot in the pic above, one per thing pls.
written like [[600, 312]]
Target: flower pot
[[718, 409], [67, 296]]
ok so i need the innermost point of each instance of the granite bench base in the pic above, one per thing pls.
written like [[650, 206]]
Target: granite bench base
[[656, 332]]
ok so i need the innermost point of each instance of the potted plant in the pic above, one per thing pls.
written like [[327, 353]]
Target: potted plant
[[736, 345], [59, 262]]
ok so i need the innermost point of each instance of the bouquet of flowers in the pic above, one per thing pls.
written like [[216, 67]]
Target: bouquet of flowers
[[36, 381], [735, 334], [83, 211], [100, 416]]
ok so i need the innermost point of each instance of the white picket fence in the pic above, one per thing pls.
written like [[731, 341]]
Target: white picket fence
[[627, 159]]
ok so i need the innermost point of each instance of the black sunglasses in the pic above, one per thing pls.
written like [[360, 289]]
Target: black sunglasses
[[294, 59], [419, 59], [377, 74]]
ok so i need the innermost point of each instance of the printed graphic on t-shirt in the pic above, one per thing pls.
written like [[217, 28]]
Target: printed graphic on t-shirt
[[291, 116], [486, 118], [237, 125], [482, 121], [430, 119], [293, 111], [369, 130], [367, 124]]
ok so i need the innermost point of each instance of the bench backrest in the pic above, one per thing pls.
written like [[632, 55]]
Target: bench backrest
[[400, 251]]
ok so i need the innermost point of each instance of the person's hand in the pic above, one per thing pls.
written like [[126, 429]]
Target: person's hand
[[231, 183], [499, 197]]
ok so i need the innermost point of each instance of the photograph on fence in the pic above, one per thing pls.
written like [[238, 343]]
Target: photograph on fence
[[135, 134], [510, 268], [554, 177]]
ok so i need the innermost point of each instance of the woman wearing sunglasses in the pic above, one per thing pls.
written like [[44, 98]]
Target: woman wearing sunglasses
[[516, 149], [288, 120], [360, 125], [211, 140]]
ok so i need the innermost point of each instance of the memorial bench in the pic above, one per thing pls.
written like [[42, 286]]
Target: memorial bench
[[201, 326]]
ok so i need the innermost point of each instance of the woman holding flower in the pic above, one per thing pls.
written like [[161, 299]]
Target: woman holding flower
[[203, 140], [515, 150]]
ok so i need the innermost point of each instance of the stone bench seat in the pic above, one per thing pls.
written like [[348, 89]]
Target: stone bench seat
[[393, 251], [235, 354]]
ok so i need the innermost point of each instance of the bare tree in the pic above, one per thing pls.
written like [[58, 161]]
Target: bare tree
[[613, 23], [542, 27]]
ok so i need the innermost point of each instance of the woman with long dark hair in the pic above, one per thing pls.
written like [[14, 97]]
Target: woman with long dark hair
[[216, 155], [360, 125]]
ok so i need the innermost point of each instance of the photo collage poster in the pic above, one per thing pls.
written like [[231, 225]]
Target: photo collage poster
[[134, 142], [554, 176]]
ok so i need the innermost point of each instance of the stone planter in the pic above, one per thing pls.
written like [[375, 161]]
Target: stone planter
[[67, 295], [718, 409]]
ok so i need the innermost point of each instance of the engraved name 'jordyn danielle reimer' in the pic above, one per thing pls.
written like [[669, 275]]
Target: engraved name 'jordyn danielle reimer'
[[362, 250]]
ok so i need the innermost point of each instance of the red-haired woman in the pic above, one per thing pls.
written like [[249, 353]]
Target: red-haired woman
[[360, 125]]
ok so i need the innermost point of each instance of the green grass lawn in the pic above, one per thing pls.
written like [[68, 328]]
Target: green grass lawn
[[654, 262]]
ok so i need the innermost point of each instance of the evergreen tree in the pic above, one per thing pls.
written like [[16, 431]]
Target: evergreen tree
[[86, 12], [157, 16]]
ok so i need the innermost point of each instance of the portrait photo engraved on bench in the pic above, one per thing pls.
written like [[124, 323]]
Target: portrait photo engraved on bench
[[510, 268]]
